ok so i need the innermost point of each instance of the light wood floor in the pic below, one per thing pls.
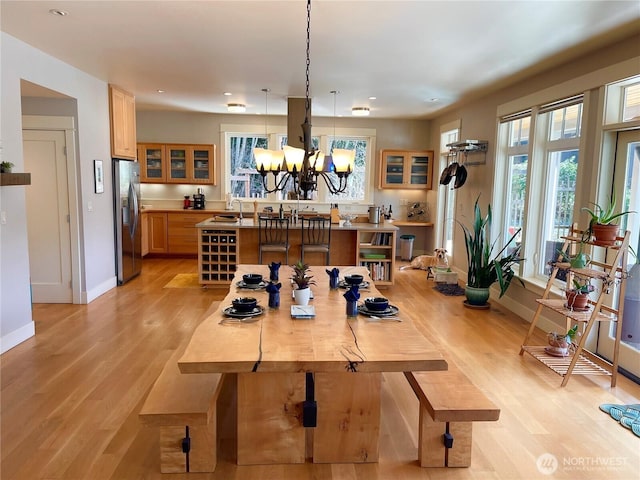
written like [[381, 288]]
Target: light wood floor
[[70, 396]]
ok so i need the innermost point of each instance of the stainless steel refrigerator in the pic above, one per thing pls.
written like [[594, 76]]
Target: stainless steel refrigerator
[[126, 194]]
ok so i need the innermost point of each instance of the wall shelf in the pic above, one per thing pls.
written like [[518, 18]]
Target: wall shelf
[[7, 179]]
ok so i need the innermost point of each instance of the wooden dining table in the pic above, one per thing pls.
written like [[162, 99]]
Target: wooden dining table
[[307, 387]]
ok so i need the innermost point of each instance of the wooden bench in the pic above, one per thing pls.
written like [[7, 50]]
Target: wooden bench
[[183, 406], [449, 403]]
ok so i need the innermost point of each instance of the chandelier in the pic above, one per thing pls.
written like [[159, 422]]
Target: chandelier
[[304, 165]]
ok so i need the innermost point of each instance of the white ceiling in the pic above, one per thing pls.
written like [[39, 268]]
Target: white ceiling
[[405, 53]]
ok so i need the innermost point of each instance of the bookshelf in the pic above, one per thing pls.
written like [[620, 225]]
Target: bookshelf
[[375, 250]]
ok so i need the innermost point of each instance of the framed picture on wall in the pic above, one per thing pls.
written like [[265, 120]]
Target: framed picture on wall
[[99, 175]]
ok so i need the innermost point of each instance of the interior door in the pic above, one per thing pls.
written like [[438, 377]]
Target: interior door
[[627, 190], [48, 216]]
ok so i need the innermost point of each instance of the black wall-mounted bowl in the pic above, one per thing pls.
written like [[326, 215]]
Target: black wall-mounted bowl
[[353, 279], [376, 304], [244, 304], [252, 278]]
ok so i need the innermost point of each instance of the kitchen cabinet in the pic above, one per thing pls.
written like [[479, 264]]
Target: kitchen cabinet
[[152, 162], [406, 169], [154, 233], [122, 113], [177, 163], [182, 235]]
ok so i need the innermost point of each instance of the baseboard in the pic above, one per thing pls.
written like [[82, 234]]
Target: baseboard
[[90, 295], [7, 342]]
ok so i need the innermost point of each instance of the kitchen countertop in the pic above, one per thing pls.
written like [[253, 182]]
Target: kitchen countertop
[[249, 223]]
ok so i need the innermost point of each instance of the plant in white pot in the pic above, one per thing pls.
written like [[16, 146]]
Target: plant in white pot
[[302, 281], [484, 267]]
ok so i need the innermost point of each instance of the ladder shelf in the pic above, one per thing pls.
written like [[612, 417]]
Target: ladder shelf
[[608, 271]]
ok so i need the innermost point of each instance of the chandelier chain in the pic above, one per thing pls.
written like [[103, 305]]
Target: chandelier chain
[[301, 171], [307, 101]]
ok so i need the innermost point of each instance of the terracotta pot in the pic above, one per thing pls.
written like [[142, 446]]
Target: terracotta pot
[[604, 235], [577, 301]]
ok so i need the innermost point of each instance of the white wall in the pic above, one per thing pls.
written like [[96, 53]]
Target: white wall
[[20, 61]]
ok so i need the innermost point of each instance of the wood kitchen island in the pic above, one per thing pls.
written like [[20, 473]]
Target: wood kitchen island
[[273, 355], [223, 245]]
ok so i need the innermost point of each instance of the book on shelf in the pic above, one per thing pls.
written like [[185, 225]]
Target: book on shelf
[[303, 311], [381, 238]]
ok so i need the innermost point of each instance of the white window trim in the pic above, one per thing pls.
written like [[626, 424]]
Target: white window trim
[[538, 149], [442, 192]]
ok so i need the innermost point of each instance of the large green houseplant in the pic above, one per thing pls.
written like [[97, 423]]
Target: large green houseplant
[[485, 266]]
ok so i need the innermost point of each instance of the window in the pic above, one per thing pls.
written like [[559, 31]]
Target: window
[[560, 175], [631, 103], [517, 151], [540, 158], [356, 187], [447, 137], [244, 181]]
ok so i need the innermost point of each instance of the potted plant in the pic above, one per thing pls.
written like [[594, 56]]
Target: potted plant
[[5, 167], [560, 343], [578, 296], [601, 225], [302, 280], [485, 267], [580, 259]]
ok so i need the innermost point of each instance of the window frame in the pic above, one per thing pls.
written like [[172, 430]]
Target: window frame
[[539, 150]]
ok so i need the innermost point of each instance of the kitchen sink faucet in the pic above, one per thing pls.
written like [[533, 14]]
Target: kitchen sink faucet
[[240, 204]]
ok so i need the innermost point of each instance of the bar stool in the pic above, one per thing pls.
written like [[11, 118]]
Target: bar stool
[[273, 235], [316, 236]]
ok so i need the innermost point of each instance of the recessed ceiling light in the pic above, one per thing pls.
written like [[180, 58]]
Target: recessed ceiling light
[[360, 111], [59, 13], [372, 98], [227, 94], [236, 107], [160, 91]]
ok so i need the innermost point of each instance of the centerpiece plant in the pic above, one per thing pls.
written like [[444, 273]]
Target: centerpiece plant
[[485, 265], [302, 281]]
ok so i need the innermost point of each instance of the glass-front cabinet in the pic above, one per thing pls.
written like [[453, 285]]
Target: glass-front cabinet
[[152, 164], [203, 164], [177, 163], [406, 169]]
